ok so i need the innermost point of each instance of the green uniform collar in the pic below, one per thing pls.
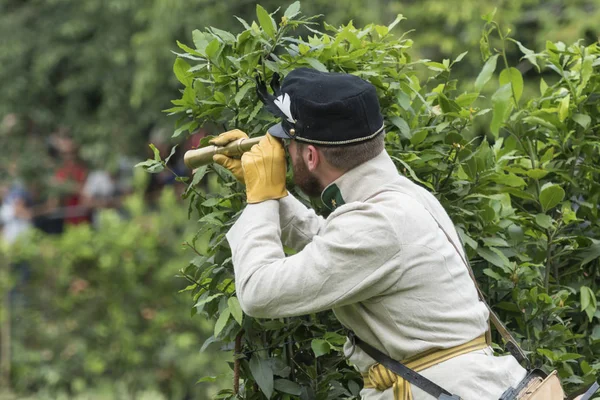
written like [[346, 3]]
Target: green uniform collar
[[332, 197]]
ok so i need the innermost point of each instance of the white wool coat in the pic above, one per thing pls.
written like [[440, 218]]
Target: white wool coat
[[383, 265]]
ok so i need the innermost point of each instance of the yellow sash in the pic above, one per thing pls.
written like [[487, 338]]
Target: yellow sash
[[381, 378]]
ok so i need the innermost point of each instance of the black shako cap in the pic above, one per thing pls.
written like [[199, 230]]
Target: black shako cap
[[327, 108]]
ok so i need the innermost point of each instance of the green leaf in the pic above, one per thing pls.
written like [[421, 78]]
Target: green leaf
[[548, 353], [460, 57], [404, 100], [537, 173], [212, 49], [401, 124], [495, 241], [255, 111], [569, 356], [187, 49], [188, 288], [584, 297], [543, 220], [587, 70], [207, 343], [543, 86], [182, 129], [466, 239], [489, 16], [399, 18], [550, 195], [285, 386], [242, 92], [220, 97], [486, 73], [236, 309], [226, 36], [156, 168], [213, 201], [419, 137], [466, 99], [436, 66], [148, 164], [588, 300], [200, 41], [595, 333], [501, 106], [208, 299], [563, 108], [222, 321], [493, 257], [243, 22], [354, 388], [198, 175], [505, 305], [511, 180], [320, 347], [263, 375], [292, 10], [381, 30], [212, 218], [514, 77], [155, 151], [493, 274], [335, 339], [316, 64], [171, 154], [207, 379], [447, 105], [265, 21], [528, 54], [181, 68], [590, 253], [583, 120]]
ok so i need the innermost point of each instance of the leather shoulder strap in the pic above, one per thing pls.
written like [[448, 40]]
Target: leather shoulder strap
[[511, 344]]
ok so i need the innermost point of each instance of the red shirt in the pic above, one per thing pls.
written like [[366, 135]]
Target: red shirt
[[72, 171]]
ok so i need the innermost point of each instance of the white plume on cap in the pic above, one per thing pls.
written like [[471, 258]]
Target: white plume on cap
[[283, 102]]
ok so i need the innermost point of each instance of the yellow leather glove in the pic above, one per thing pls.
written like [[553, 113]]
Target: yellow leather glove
[[264, 171], [234, 165]]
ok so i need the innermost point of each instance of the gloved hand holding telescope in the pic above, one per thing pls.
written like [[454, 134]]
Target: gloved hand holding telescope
[[231, 144], [261, 166]]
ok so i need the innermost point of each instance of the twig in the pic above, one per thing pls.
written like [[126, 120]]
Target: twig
[[236, 362]]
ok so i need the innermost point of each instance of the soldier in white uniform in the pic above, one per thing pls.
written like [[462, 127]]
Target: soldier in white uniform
[[381, 260]]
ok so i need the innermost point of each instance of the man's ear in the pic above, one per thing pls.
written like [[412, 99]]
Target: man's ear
[[312, 157]]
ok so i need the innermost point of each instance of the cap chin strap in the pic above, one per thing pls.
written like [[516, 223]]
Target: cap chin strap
[[339, 143]]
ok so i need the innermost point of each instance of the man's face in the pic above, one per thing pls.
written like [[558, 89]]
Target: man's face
[[303, 178]]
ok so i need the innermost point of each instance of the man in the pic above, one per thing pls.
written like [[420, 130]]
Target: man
[[381, 260]]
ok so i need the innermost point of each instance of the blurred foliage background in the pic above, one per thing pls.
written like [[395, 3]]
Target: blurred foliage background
[[99, 312], [102, 68]]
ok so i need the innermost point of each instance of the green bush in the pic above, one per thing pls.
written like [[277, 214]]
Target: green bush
[[101, 309], [523, 197]]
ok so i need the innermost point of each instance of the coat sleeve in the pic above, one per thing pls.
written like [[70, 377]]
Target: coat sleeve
[[348, 262], [298, 223]]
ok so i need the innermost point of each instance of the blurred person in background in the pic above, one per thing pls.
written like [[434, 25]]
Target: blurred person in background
[[16, 217], [15, 212], [69, 179], [101, 190]]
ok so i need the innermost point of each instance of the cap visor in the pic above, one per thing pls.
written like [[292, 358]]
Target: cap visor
[[278, 132]]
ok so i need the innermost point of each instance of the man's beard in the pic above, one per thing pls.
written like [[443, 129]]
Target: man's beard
[[305, 180]]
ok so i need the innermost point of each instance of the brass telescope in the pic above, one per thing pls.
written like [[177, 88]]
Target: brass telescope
[[203, 156]]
